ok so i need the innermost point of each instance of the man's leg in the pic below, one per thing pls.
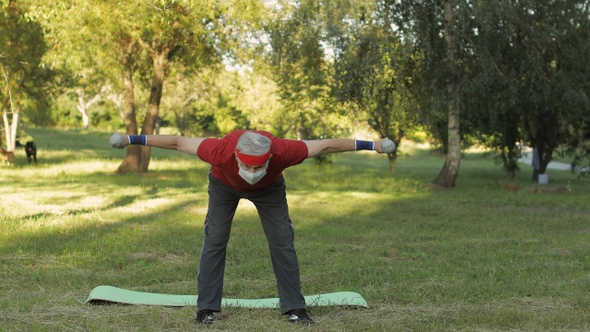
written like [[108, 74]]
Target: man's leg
[[274, 214], [222, 207]]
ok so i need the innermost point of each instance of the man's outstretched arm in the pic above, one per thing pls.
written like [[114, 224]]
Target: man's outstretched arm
[[184, 144], [330, 145]]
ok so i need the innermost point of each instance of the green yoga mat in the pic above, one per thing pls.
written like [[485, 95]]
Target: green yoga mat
[[102, 294]]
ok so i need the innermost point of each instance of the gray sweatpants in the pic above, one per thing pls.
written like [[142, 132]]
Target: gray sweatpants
[[273, 210]]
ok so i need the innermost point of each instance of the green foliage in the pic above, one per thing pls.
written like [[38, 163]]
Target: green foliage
[[310, 69], [519, 69], [372, 72], [215, 102], [417, 135], [21, 49], [141, 38], [526, 52], [478, 258], [421, 26], [303, 73]]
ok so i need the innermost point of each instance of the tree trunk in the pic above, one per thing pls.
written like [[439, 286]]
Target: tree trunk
[[160, 63], [392, 157], [14, 129], [131, 163], [542, 153], [10, 135], [448, 174], [10, 127], [544, 139], [84, 105]]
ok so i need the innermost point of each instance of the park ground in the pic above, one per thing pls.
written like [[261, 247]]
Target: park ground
[[494, 254]]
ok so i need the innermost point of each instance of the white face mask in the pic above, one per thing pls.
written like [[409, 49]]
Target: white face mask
[[250, 177]]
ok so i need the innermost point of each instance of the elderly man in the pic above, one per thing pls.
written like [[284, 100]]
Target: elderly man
[[249, 164]]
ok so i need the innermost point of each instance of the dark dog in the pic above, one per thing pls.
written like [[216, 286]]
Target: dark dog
[[31, 150]]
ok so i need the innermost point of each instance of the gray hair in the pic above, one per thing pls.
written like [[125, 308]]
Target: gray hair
[[253, 144]]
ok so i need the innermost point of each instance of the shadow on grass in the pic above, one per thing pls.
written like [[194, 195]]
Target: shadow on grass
[[364, 173], [358, 227]]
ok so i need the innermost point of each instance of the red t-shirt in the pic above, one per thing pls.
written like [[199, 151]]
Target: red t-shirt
[[219, 152]]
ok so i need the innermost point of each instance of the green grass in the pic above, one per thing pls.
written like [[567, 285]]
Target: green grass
[[476, 258]]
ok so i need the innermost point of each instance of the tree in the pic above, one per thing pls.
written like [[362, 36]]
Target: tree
[[143, 38], [431, 28], [304, 73], [371, 70], [532, 82], [84, 105], [450, 170], [78, 51], [188, 102], [23, 81], [502, 71], [551, 36]]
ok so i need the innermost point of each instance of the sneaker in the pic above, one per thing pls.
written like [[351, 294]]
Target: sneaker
[[205, 317], [299, 316]]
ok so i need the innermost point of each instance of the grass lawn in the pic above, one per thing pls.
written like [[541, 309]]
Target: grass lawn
[[475, 258]]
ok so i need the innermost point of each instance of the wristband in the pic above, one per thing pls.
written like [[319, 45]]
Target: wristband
[[137, 139], [364, 145]]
